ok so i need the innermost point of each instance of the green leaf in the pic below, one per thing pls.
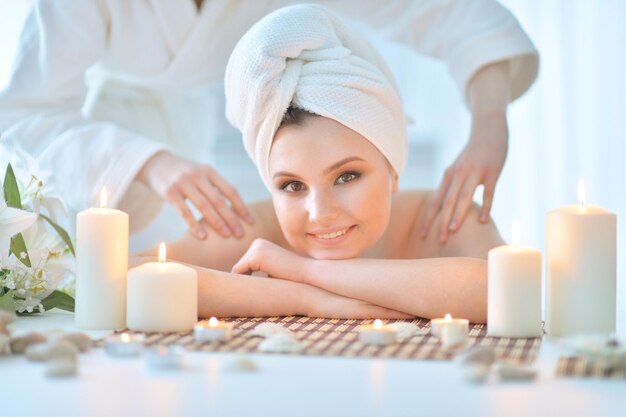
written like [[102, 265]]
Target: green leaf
[[7, 302], [62, 233], [11, 190], [18, 246], [59, 299]]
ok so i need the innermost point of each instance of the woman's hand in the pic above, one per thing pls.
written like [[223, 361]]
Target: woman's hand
[[281, 263], [479, 163], [274, 260], [177, 180]]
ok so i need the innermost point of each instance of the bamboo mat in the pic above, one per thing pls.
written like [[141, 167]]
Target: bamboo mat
[[577, 367], [338, 337]]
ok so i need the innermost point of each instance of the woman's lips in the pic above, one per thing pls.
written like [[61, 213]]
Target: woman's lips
[[333, 237]]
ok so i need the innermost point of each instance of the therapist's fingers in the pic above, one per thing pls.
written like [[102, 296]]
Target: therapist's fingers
[[488, 193], [435, 206], [205, 207], [178, 200], [464, 202], [449, 205], [231, 194], [218, 201]]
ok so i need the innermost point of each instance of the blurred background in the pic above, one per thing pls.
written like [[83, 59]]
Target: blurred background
[[570, 125]]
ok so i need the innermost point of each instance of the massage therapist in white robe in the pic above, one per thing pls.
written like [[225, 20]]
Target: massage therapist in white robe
[[123, 94]]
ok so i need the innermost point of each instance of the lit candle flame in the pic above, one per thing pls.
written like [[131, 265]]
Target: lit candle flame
[[213, 322], [125, 338], [516, 233], [448, 317], [162, 252], [581, 193], [378, 324], [103, 198]]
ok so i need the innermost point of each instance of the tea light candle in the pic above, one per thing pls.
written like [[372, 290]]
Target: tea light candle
[[514, 290], [162, 296], [377, 334], [163, 357], [453, 336], [437, 324], [124, 344], [213, 331], [580, 269], [101, 265]]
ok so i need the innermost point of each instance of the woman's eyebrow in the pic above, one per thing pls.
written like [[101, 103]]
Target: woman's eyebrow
[[326, 171], [342, 162]]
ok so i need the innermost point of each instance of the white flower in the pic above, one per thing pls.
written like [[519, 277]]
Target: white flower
[[34, 183], [12, 222]]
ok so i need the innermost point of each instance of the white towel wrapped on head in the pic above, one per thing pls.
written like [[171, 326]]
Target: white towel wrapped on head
[[305, 56]]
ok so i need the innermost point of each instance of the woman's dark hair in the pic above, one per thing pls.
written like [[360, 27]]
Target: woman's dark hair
[[296, 116]]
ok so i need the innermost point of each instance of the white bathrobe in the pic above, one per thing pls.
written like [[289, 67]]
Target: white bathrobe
[[100, 86]]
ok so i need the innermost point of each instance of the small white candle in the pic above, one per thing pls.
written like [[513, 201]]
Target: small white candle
[[213, 331], [162, 296], [580, 269], [101, 265], [164, 358], [124, 344], [452, 336], [437, 324], [377, 334], [514, 290]]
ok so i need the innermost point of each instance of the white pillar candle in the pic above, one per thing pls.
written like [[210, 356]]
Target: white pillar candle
[[101, 265], [514, 290], [377, 334], [162, 296], [580, 269]]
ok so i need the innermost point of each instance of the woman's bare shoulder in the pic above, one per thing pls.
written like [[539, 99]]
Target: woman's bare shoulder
[[266, 224], [406, 214]]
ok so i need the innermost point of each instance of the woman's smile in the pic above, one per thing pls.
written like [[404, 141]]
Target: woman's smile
[[333, 237]]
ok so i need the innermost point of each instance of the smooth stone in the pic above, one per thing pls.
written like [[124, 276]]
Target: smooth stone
[[241, 363], [82, 342], [60, 368], [58, 349], [481, 356], [5, 344], [516, 373], [20, 343], [269, 329], [280, 342], [475, 373], [6, 318], [405, 330]]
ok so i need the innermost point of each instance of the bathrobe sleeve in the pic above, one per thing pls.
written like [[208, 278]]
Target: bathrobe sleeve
[[466, 34], [40, 108]]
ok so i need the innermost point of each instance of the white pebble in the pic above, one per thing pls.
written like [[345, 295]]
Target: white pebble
[[269, 329], [516, 373], [280, 342], [241, 363], [61, 368]]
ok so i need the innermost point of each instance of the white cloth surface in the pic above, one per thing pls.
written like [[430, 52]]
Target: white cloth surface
[[100, 86], [305, 56]]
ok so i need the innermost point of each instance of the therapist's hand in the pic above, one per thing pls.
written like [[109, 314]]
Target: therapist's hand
[[480, 162], [178, 180]]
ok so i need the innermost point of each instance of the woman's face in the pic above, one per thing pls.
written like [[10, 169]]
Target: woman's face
[[331, 189]]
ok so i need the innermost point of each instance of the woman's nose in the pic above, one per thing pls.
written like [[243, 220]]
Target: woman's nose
[[322, 207]]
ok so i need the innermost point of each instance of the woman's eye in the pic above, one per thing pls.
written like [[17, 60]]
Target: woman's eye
[[293, 187], [346, 177]]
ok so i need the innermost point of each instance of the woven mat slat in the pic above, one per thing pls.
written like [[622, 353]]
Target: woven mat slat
[[338, 337], [577, 367]]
